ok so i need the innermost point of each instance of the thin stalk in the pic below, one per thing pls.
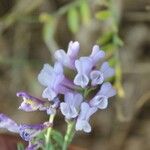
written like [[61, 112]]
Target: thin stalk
[[48, 133], [69, 135]]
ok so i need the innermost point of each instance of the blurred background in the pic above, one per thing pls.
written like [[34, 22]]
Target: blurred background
[[30, 32]]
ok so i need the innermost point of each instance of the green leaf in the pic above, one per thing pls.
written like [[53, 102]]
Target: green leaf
[[103, 15], [58, 138], [20, 146], [117, 40], [85, 12], [73, 20], [105, 38]]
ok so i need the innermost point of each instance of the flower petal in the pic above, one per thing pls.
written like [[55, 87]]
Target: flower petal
[[107, 70], [81, 80], [44, 76], [96, 77], [107, 90], [7, 123]]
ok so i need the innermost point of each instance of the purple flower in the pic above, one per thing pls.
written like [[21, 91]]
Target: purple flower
[[101, 99], [70, 108], [27, 132], [84, 116], [96, 54], [54, 81], [84, 66], [98, 76], [68, 59], [52, 108], [7, 123], [30, 103]]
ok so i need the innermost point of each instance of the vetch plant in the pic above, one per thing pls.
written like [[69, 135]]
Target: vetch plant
[[76, 99]]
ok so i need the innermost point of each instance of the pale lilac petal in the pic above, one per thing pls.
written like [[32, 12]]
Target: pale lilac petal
[[97, 54], [7, 123], [107, 70], [96, 77], [107, 90], [44, 76], [58, 68], [49, 93], [73, 49], [83, 125], [70, 108], [84, 65], [68, 111], [81, 80], [61, 56], [99, 101]]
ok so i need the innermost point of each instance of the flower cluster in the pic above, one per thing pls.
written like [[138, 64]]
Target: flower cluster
[[71, 96]]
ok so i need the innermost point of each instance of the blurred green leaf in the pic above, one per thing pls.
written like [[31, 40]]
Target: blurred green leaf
[[73, 20], [105, 38], [20, 146], [85, 12], [58, 138], [117, 40], [103, 15]]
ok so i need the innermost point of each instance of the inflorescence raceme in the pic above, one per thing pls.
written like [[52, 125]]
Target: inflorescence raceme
[[76, 104]]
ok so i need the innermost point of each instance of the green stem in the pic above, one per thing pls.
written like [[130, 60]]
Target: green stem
[[48, 133], [69, 135]]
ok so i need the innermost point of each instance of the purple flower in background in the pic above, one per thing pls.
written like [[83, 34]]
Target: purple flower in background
[[98, 76], [54, 81], [70, 108], [30, 103], [84, 116], [9, 124], [68, 59], [101, 99]]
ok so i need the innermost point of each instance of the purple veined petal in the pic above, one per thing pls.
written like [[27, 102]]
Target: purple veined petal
[[99, 101], [97, 54], [73, 49], [28, 132], [49, 93], [58, 68], [96, 77], [9, 124], [107, 90], [107, 70], [70, 108], [30, 103], [81, 80], [44, 76], [83, 125], [68, 111]]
